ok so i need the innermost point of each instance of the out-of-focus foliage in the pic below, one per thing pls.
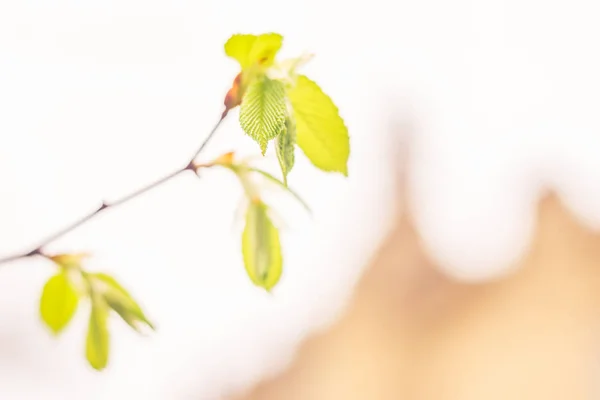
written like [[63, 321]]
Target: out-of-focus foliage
[[261, 249], [61, 296]]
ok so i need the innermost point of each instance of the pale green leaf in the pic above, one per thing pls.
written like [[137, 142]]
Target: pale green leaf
[[321, 132], [253, 49], [120, 301], [263, 110], [286, 70], [292, 64], [58, 302], [251, 192], [284, 147], [261, 248], [98, 339], [281, 184]]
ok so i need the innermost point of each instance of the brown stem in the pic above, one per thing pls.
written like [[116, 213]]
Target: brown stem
[[190, 166]]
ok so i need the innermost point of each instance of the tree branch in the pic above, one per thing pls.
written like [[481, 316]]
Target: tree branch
[[190, 166]]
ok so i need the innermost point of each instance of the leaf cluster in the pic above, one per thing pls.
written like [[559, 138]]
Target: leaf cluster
[[276, 105], [63, 293], [279, 105]]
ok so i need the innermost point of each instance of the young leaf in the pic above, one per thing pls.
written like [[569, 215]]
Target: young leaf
[[281, 184], [252, 49], [286, 70], [98, 340], [284, 147], [292, 64], [120, 301], [255, 54], [58, 302], [238, 47], [321, 132], [266, 48], [261, 248], [263, 109]]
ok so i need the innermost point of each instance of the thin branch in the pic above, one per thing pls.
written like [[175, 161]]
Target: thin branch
[[190, 166], [210, 135]]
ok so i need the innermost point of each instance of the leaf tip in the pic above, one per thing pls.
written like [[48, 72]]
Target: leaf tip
[[96, 366], [53, 331], [268, 290]]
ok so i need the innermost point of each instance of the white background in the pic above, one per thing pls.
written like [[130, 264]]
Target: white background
[[99, 97]]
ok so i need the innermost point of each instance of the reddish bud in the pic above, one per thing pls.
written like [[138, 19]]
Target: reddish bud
[[225, 159], [233, 98]]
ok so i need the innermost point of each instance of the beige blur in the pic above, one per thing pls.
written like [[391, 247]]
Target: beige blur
[[409, 332]]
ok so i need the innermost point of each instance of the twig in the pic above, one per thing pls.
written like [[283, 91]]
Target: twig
[[190, 166]]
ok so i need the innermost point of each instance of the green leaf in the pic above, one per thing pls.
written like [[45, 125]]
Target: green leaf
[[281, 184], [58, 302], [252, 49], [261, 248], [98, 340], [263, 110], [284, 147], [120, 301], [321, 132]]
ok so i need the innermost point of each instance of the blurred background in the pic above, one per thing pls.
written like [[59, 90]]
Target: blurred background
[[441, 268]]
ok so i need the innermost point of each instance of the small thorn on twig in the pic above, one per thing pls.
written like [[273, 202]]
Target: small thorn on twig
[[191, 166], [33, 252]]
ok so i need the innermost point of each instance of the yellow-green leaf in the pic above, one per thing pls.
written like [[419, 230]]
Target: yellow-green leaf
[[252, 49], [98, 339], [261, 248], [320, 131], [58, 302], [263, 110], [120, 301], [292, 64], [239, 46], [265, 48], [286, 70], [284, 147]]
